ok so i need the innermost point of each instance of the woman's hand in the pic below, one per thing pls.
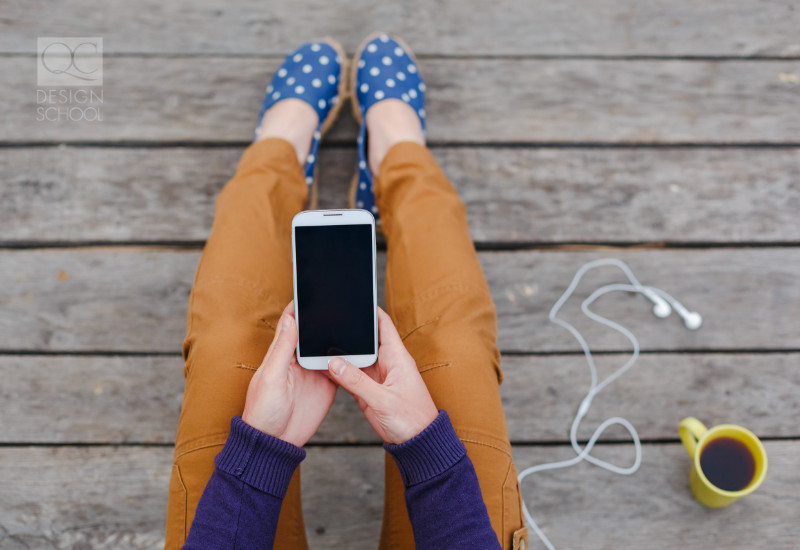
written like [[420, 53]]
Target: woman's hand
[[285, 400], [391, 393]]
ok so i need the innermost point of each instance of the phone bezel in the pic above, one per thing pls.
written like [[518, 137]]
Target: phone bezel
[[328, 218]]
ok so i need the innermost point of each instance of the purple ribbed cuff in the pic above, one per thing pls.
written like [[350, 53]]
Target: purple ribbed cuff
[[433, 451], [260, 460]]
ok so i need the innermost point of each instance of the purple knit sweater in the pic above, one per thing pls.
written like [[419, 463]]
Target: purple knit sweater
[[240, 505]]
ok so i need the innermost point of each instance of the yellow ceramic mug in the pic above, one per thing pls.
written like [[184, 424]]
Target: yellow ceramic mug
[[696, 438]]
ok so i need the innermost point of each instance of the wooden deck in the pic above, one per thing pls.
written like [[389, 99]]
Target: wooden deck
[[663, 133]]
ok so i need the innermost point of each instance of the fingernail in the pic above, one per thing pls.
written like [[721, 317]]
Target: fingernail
[[337, 365], [287, 321]]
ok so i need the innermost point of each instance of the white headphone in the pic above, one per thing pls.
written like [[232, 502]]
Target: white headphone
[[663, 305]]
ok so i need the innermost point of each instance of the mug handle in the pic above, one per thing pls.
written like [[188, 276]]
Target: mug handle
[[691, 431]]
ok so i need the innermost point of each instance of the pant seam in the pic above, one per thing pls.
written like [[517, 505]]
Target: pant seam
[[485, 444], [185, 500], [482, 437], [213, 440], [400, 312], [503, 500], [419, 326], [435, 365], [245, 366]]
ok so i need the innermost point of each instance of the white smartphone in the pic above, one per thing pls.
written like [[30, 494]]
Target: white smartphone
[[335, 287]]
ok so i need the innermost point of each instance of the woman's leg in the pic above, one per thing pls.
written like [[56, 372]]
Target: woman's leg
[[243, 282], [439, 299]]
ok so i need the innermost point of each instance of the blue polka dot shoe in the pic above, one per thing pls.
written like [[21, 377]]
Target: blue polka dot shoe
[[314, 73], [383, 68]]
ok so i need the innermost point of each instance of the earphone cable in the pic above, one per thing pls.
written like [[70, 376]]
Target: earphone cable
[[653, 294]]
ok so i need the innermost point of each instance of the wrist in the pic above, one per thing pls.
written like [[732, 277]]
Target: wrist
[[422, 421], [270, 429], [428, 454], [253, 420], [259, 459]]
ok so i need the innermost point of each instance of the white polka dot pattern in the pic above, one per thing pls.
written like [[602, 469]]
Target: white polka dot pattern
[[385, 71], [310, 73], [386, 67]]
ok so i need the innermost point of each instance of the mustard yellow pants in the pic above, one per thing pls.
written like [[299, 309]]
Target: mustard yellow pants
[[435, 293]]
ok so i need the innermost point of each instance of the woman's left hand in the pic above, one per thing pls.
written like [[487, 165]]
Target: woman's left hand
[[285, 400]]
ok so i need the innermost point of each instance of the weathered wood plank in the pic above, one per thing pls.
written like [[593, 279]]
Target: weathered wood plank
[[541, 394], [73, 194], [104, 498], [469, 100], [86, 293], [97, 498], [137, 399], [60, 399], [134, 299], [571, 27], [585, 507]]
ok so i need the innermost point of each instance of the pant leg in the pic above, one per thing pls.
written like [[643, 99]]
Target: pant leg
[[439, 299], [242, 285]]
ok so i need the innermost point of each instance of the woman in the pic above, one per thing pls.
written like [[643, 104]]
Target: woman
[[433, 396]]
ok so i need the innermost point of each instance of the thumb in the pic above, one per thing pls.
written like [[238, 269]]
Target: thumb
[[285, 342], [353, 380]]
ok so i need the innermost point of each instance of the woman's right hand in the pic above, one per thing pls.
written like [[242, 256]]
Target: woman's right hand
[[391, 393]]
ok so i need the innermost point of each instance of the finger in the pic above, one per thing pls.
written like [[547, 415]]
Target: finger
[[353, 380], [289, 309], [281, 352], [387, 332]]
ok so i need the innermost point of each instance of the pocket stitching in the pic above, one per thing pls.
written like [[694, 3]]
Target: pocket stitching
[[512, 484], [427, 367], [185, 494]]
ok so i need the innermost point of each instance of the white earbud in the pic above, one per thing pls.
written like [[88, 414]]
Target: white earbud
[[691, 319], [661, 308], [663, 304]]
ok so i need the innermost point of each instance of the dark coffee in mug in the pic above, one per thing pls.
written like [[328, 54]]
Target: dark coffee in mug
[[727, 463]]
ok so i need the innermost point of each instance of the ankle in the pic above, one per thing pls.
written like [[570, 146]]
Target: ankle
[[293, 120], [388, 123]]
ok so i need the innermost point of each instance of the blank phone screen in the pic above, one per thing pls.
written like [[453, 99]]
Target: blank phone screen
[[334, 290]]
